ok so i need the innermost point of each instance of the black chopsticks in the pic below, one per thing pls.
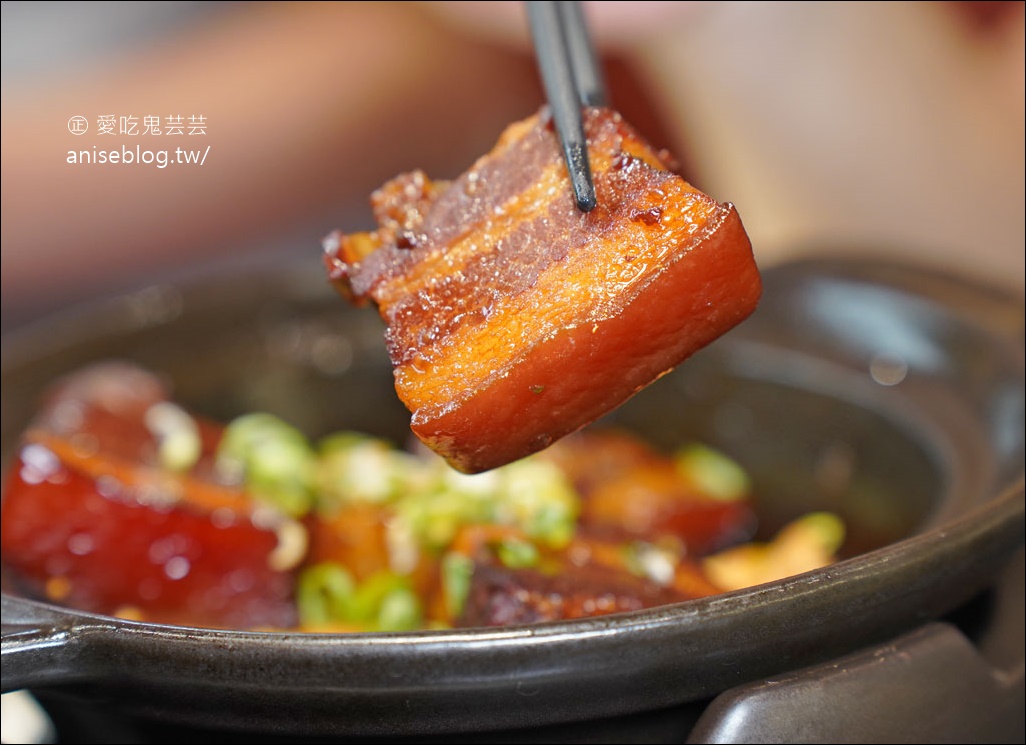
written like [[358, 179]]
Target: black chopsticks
[[572, 79]]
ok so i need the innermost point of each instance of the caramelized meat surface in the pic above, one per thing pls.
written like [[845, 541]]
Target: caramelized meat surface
[[514, 319], [500, 596]]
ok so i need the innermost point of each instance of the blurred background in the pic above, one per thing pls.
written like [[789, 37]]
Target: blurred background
[[879, 128]]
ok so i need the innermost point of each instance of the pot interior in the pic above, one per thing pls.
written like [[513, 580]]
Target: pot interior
[[889, 395], [815, 432]]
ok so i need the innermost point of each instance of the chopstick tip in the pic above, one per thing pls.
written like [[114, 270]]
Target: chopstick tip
[[586, 202], [580, 176]]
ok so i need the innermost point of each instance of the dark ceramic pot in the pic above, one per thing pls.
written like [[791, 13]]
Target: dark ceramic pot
[[890, 394]]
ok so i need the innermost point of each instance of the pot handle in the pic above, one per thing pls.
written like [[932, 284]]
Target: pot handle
[[40, 645], [930, 685]]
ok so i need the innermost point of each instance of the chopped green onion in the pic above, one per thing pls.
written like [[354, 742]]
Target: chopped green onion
[[516, 554], [531, 494], [324, 594], [825, 529], [371, 592], [713, 472], [536, 496], [400, 610], [354, 467], [653, 562], [457, 571], [327, 594], [272, 459], [445, 501]]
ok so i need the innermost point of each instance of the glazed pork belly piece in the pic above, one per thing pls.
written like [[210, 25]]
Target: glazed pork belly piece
[[512, 318], [92, 519]]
